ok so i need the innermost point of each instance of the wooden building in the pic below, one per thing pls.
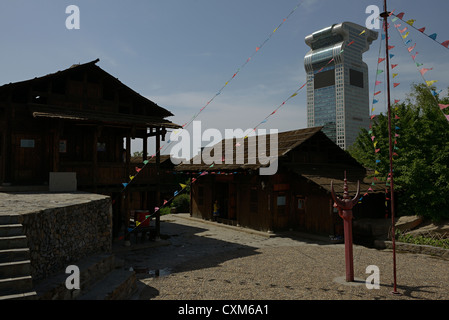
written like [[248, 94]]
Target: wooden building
[[296, 197], [82, 120]]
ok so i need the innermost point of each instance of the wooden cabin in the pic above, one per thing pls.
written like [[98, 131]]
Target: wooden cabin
[[82, 120], [296, 197]]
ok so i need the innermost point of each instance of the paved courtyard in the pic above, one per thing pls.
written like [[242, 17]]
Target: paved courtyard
[[208, 261]]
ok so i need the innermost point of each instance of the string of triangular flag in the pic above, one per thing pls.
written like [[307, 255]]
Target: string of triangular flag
[[410, 23], [376, 147], [125, 185], [183, 186], [422, 71]]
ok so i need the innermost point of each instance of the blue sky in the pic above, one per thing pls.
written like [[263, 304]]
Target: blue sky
[[179, 53]]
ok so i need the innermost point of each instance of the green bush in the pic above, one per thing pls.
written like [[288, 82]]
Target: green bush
[[182, 203]]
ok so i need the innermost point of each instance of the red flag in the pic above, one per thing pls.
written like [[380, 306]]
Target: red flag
[[422, 29], [380, 60], [443, 106], [393, 66], [401, 15], [396, 84], [411, 48], [446, 44]]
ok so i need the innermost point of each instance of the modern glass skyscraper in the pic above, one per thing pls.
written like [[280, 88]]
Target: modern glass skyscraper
[[338, 95]]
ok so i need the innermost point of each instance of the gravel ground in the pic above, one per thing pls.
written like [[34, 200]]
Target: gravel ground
[[207, 261]]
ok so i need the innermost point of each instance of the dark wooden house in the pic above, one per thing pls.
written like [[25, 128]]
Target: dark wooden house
[[297, 197], [82, 120]]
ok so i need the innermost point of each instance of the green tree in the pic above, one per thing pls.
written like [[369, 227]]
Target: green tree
[[421, 159]]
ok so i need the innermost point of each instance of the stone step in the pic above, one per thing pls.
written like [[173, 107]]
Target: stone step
[[13, 242], [117, 285], [15, 269], [15, 285], [10, 219], [92, 270], [17, 254], [7, 230], [21, 296]]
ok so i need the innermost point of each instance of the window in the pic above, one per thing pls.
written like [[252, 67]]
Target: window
[[281, 202], [324, 79], [356, 78], [301, 203]]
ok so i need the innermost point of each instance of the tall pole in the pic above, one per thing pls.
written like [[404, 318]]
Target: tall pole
[[385, 16]]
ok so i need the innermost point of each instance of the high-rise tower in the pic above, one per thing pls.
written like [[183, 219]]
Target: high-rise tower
[[338, 96]]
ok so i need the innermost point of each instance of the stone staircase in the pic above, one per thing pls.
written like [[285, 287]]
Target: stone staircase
[[102, 277], [15, 265]]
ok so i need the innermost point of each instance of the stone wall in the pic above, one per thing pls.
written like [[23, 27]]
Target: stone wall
[[62, 235]]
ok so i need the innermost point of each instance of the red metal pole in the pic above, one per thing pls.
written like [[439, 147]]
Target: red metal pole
[[385, 15], [347, 218], [345, 206]]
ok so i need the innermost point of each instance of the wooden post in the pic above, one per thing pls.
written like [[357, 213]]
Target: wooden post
[[126, 194], [144, 194], [95, 159], [158, 180]]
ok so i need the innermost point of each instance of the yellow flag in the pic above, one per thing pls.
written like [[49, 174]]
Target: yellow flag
[[395, 75], [362, 32], [131, 177], [429, 83], [411, 22], [376, 172], [182, 185], [137, 223], [405, 35]]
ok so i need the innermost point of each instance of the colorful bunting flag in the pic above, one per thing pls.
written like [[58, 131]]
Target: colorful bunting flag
[[433, 36], [411, 22], [396, 84], [443, 106], [424, 70], [411, 48], [401, 15], [422, 29], [445, 44], [429, 83]]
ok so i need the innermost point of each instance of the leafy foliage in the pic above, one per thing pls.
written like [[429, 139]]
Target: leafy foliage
[[421, 160]]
